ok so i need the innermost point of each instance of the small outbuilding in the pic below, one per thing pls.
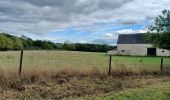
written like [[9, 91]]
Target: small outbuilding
[[136, 44]]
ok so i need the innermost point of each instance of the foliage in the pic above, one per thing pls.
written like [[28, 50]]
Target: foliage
[[161, 40], [88, 47], [5, 43], [161, 25], [10, 42]]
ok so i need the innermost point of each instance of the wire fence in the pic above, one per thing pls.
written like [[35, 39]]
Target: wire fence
[[60, 60]]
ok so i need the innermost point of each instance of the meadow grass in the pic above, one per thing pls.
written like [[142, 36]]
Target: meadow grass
[[158, 91], [71, 75], [58, 60]]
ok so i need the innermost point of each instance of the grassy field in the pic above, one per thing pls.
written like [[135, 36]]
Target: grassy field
[[158, 91], [76, 60], [74, 75]]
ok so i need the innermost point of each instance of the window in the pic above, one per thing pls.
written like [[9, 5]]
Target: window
[[123, 50]]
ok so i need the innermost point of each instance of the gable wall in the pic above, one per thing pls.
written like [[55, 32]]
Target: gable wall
[[133, 49], [139, 49]]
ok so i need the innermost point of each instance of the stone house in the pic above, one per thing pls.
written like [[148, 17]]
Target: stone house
[[136, 44]]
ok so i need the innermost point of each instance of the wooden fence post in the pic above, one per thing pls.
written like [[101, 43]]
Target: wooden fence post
[[20, 66], [110, 63], [161, 67]]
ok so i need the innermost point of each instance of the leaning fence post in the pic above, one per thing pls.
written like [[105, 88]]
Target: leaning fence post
[[20, 66], [110, 63], [161, 67]]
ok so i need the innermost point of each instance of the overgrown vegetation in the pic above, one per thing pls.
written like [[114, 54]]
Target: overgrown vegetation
[[160, 30], [10, 42], [48, 84]]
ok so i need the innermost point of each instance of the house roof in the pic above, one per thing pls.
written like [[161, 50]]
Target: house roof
[[138, 38]]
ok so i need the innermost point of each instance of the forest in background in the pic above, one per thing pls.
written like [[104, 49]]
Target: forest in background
[[11, 42]]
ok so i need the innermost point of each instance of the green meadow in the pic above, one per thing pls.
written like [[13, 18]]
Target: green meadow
[[158, 91], [78, 60]]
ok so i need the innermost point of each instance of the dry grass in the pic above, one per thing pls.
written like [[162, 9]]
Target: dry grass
[[71, 83], [59, 60], [63, 75]]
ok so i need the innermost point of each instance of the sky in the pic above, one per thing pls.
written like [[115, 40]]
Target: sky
[[78, 21]]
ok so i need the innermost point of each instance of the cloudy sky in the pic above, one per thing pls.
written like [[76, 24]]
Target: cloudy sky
[[92, 21]]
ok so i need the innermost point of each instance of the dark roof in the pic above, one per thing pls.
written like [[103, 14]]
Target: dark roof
[[138, 38]]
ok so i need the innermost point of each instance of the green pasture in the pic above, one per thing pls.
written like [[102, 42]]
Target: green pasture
[[76, 60], [158, 91]]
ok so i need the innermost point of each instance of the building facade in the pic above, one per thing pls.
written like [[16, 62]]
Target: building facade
[[136, 44]]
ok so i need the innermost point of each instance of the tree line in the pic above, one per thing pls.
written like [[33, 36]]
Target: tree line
[[10, 42], [88, 47]]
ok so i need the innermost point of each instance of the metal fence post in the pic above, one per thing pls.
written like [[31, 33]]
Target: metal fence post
[[161, 67], [20, 66], [110, 63]]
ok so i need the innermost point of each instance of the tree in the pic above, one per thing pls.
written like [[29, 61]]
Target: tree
[[161, 31], [5, 43], [17, 44], [8, 43], [2, 42], [47, 45], [161, 23], [160, 40]]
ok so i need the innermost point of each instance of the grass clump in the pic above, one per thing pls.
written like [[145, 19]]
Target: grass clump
[[43, 84]]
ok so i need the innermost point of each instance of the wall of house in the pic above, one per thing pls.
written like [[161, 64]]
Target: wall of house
[[133, 49], [163, 52], [139, 49]]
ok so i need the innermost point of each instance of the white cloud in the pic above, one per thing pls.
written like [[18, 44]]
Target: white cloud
[[111, 38], [83, 41], [43, 16], [124, 31], [37, 16], [129, 31], [108, 35], [114, 34]]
